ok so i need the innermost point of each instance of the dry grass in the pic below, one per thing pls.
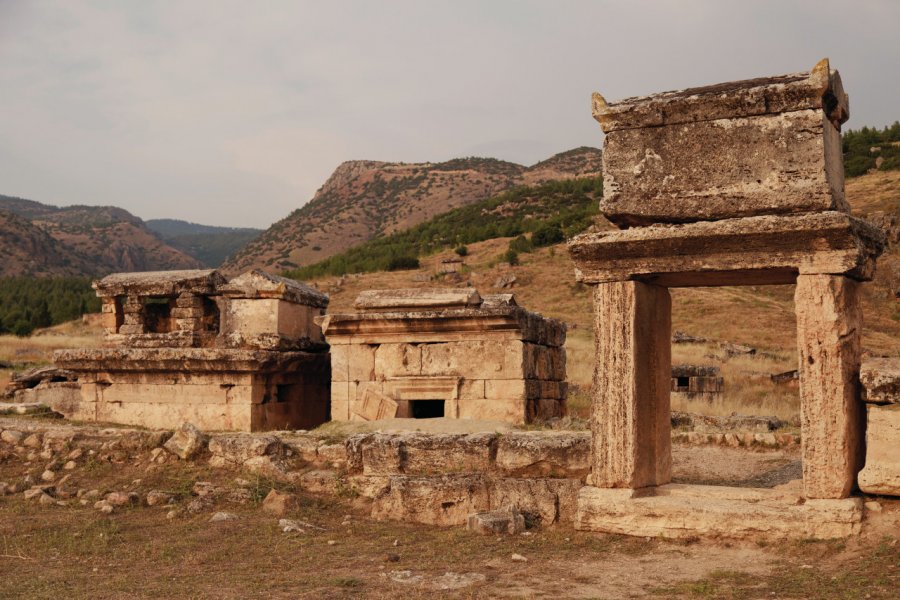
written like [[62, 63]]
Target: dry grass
[[37, 349]]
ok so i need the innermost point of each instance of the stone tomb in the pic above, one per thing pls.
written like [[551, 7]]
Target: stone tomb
[[445, 353], [880, 379], [697, 382], [733, 184], [243, 354]]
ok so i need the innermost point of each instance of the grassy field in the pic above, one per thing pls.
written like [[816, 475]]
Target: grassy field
[[37, 349]]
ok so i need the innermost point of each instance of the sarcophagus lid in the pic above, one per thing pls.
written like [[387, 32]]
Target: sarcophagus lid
[[756, 147]]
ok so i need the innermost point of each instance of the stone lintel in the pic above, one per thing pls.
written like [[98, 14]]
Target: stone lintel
[[749, 251], [684, 511], [443, 325], [159, 283], [820, 88], [179, 359], [417, 299]]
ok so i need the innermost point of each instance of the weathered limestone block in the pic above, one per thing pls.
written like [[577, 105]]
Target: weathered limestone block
[[502, 520], [829, 324], [881, 475], [449, 453], [445, 500], [880, 379], [761, 146], [545, 453], [721, 169], [510, 409], [630, 426], [235, 449], [478, 359], [746, 251], [396, 360], [340, 399], [546, 501], [186, 442], [382, 454], [189, 300], [374, 406], [684, 511]]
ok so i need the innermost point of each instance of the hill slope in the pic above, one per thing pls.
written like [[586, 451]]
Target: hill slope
[[365, 199], [211, 245], [44, 240]]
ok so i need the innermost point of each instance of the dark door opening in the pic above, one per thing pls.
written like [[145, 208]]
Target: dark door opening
[[426, 409]]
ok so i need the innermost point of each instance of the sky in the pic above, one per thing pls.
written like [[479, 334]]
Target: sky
[[234, 113]]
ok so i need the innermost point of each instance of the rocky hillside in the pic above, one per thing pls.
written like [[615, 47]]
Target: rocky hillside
[[43, 240], [365, 199]]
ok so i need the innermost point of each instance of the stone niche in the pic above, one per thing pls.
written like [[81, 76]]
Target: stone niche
[[425, 353], [244, 354], [733, 184]]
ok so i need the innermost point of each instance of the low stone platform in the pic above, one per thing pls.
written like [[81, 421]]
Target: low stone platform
[[685, 511]]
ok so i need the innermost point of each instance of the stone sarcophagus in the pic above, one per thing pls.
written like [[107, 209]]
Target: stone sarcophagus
[[244, 354], [732, 184], [445, 353]]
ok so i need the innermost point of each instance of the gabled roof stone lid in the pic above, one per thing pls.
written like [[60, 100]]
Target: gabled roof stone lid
[[492, 300], [820, 88], [159, 283], [418, 299], [259, 284]]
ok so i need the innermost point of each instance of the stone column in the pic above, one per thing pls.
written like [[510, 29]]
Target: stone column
[[832, 416], [630, 421]]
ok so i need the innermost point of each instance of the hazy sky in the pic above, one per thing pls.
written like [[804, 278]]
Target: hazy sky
[[234, 113]]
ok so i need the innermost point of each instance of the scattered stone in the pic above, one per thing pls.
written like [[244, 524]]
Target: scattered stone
[[391, 557], [406, 577], [45, 499], [33, 493], [503, 520], [518, 558], [331, 542], [278, 503], [222, 516], [456, 581], [505, 281], [174, 513], [11, 436], [873, 506], [5, 488], [157, 498], [70, 465], [75, 454], [91, 494], [206, 488], [104, 507], [33, 441], [290, 526], [48, 475], [186, 442], [122, 498]]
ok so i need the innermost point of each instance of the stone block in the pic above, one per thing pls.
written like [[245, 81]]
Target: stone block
[[417, 299], [446, 500], [454, 453], [508, 410], [685, 511], [630, 411], [829, 324], [785, 163], [746, 251], [374, 406], [545, 453], [543, 501], [382, 454], [477, 359], [881, 475], [340, 399], [502, 520], [397, 360], [880, 379], [238, 448]]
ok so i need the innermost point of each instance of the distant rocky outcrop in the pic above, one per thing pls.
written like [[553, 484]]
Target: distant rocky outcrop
[[365, 199]]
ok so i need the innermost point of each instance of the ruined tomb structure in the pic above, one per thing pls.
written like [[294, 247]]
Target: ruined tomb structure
[[880, 378], [695, 382], [733, 184], [243, 354], [423, 353]]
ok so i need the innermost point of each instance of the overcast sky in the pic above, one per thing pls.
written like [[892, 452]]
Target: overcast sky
[[234, 113]]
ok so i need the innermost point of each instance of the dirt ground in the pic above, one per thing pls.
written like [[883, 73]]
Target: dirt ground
[[74, 551]]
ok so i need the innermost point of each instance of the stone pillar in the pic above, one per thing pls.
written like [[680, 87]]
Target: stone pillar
[[832, 417], [630, 421]]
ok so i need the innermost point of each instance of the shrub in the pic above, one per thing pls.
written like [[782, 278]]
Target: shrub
[[520, 244], [462, 251], [511, 256], [547, 235], [403, 263]]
